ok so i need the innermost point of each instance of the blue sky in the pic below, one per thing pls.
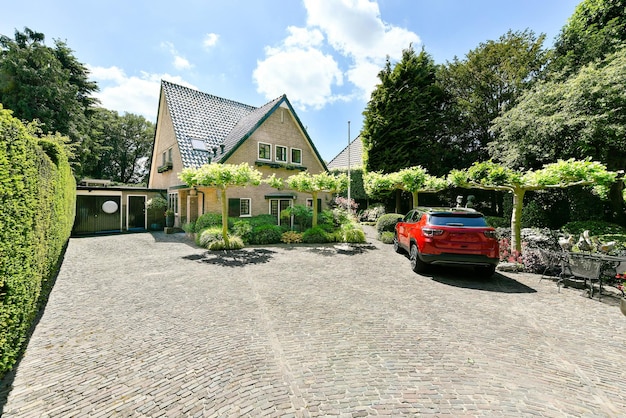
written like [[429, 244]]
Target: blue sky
[[324, 54]]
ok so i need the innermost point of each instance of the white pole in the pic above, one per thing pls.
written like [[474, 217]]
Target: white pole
[[349, 181]]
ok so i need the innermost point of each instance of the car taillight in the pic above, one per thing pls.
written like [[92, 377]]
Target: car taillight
[[431, 232], [490, 234]]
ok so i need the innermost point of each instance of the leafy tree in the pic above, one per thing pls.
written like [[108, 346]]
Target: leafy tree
[[221, 177], [47, 84], [596, 29], [488, 81], [403, 120], [492, 176], [413, 180], [582, 116], [313, 184], [122, 146]]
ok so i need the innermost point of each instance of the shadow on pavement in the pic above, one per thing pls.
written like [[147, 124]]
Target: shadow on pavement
[[342, 249], [233, 258], [466, 278]]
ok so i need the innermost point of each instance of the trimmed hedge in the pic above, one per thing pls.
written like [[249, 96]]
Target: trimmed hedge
[[37, 207]]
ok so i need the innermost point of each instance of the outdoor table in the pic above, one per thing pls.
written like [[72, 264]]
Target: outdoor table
[[593, 267]]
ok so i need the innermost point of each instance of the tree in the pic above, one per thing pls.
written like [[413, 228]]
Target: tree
[[596, 29], [403, 120], [221, 177], [121, 147], [414, 180], [313, 184], [47, 84], [564, 173], [581, 116], [488, 81]]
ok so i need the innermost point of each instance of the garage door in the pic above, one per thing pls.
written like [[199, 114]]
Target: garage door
[[98, 214]]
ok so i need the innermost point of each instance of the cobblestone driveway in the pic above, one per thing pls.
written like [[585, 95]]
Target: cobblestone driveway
[[149, 325]]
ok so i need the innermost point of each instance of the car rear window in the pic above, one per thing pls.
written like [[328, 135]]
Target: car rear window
[[456, 220]]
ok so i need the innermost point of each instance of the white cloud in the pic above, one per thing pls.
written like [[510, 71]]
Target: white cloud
[[210, 40], [306, 62], [130, 94], [305, 75], [180, 62]]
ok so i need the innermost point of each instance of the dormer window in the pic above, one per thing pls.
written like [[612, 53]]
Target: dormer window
[[265, 151], [198, 144]]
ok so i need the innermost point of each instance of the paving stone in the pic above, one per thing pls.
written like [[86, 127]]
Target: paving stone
[[151, 325]]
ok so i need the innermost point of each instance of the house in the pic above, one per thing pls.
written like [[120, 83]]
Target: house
[[195, 128], [349, 157]]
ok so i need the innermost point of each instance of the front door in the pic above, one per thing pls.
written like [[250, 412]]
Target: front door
[[136, 213], [276, 207]]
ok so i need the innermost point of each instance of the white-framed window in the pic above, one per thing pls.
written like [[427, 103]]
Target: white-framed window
[[265, 151], [244, 207], [281, 153], [172, 201], [239, 207], [169, 155], [296, 156]]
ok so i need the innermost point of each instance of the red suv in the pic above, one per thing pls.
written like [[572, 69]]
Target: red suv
[[447, 236]]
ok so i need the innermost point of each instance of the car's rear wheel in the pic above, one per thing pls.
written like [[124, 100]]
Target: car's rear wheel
[[485, 271], [396, 244], [417, 265]]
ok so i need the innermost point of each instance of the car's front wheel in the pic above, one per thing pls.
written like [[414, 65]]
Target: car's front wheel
[[396, 244], [417, 265]]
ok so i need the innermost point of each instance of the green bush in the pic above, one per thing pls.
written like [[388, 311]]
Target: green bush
[[243, 229], [356, 236], [498, 222], [234, 243], [266, 234], [38, 195], [209, 235], [595, 228], [387, 222], [208, 220], [317, 235], [387, 237]]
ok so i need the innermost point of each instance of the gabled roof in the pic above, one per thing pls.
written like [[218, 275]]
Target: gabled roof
[[221, 124], [353, 151]]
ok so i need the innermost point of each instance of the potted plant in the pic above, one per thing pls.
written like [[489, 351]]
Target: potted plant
[[156, 205], [169, 218]]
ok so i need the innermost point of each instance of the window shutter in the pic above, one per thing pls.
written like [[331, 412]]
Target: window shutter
[[233, 208]]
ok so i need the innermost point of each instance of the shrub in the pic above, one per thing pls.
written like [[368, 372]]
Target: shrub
[[209, 235], [189, 227], [302, 215], [291, 237], [316, 235], [595, 228], [498, 222], [234, 243], [208, 220], [266, 234], [387, 222], [243, 229], [37, 214], [387, 237], [355, 235]]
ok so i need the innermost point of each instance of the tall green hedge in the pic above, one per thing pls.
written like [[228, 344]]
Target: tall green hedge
[[37, 207]]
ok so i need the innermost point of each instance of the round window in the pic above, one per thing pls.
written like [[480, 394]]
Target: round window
[[109, 206]]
